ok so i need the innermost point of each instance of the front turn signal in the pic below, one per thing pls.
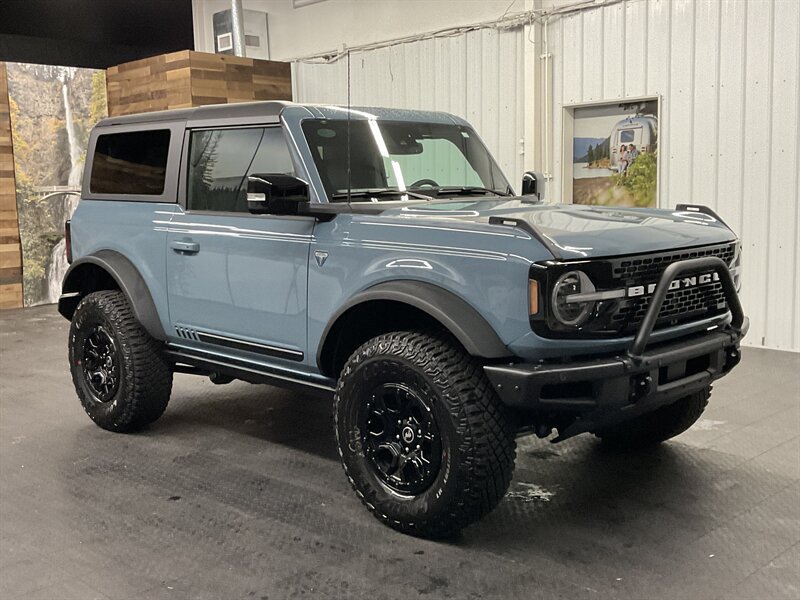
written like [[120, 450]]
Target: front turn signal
[[533, 296]]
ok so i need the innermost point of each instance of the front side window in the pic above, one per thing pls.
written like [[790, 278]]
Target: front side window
[[133, 163], [221, 159], [398, 156]]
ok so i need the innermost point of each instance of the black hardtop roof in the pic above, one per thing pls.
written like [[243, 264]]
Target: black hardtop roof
[[270, 108], [270, 111]]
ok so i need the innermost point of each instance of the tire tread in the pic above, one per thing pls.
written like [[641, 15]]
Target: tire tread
[[148, 376], [487, 441]]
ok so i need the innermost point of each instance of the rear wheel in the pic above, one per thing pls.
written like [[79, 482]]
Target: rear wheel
[[658, 426], [120, 375], [423, 438]]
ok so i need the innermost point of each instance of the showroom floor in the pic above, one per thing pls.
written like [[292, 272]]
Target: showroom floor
[[237, 493]]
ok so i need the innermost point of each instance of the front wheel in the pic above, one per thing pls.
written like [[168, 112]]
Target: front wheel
[[121, 377], [424, 440], [650, 429]]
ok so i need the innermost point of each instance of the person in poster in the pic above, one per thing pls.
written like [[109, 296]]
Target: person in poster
[[615, 154]]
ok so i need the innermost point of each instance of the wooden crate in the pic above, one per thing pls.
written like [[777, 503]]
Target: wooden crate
[[187, 78], [10, 249]]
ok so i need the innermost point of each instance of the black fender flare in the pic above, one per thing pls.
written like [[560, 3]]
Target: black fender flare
[[465, 323], [128, 279]]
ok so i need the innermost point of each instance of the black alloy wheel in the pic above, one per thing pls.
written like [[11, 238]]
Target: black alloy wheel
[[400, 438], [101, 364]]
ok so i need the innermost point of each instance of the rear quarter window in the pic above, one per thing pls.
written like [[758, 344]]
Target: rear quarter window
[[133, 163]]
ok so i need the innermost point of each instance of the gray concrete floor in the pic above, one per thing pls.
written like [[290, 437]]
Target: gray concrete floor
[[237, 493]]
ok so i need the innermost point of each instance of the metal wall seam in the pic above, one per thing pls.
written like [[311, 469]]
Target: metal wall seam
[[729, 122], [727, 74]]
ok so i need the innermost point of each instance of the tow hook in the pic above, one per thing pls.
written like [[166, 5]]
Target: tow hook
[[732, 358], [641, 386]]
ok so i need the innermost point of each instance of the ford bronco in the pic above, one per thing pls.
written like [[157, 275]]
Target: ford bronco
[[381, 257]]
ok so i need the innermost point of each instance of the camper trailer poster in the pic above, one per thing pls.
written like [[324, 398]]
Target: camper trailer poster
[[615, 154]]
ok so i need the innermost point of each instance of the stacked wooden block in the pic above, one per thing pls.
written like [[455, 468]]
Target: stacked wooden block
[[10, 251], [188, 78]]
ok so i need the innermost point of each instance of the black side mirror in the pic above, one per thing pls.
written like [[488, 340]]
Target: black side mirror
[[276, 194], [532, 184]]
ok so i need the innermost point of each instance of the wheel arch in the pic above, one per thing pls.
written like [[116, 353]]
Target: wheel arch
[[405, 304], [108, 270]]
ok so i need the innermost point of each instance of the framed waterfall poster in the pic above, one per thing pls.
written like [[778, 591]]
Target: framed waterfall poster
[[610, 153]]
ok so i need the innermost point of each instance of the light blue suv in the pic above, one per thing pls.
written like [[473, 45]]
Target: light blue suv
[[381, 257]]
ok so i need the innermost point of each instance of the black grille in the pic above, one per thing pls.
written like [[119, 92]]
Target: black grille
[[648, 268], [680, 305]]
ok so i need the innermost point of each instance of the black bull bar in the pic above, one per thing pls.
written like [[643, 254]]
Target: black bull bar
[[612, 389]]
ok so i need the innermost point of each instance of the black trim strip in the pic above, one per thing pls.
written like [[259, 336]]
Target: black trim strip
[[252, 372], [239, 344]]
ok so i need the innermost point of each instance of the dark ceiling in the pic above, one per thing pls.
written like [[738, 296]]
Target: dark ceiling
[[92, 33]]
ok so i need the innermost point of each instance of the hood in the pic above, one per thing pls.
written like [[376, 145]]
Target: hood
[[573, 231]]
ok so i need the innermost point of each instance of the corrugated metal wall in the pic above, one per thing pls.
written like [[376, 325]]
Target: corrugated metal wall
[[728, 73], [477, 76]]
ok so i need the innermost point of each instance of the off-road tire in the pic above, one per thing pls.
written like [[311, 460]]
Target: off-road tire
[[145, 377], [477, 436], [658, 426]]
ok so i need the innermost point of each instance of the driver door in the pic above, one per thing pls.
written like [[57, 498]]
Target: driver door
[[237, 282]]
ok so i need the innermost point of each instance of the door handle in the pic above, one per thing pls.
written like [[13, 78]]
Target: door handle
[[185, 246]]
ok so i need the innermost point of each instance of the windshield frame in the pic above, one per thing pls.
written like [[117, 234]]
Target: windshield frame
[[500, 183]]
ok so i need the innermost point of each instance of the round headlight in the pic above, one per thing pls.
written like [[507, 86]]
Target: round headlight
[[568, 309]]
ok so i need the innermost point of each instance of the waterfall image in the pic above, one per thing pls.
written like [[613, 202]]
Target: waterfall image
[[53, 110], [76, 167], [57, 267]]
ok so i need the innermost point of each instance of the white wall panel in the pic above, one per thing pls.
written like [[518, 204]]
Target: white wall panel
[[782, 224], [757, 135], [637, 44], [593, 59], [705, 122], [613, 54], [572, 64], [679, 107], [728, 74], [476, 76], [730, 112]]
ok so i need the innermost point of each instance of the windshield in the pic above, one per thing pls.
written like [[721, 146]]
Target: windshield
[[388, 158]]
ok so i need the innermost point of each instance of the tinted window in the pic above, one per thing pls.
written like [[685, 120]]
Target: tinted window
[[626, 136], [220, 161], [130, 163], [389, 155]]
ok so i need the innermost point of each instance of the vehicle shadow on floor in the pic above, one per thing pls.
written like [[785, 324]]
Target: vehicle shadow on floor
[[574, 499], [576, 496], [300, 421]]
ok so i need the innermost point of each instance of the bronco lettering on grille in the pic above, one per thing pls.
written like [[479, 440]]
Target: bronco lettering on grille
[[677, 284]]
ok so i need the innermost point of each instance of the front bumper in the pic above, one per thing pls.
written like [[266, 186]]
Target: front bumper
[[594, 393]]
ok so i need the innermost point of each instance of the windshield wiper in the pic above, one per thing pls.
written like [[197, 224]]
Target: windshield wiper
[[380, 192], [468, 190]]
